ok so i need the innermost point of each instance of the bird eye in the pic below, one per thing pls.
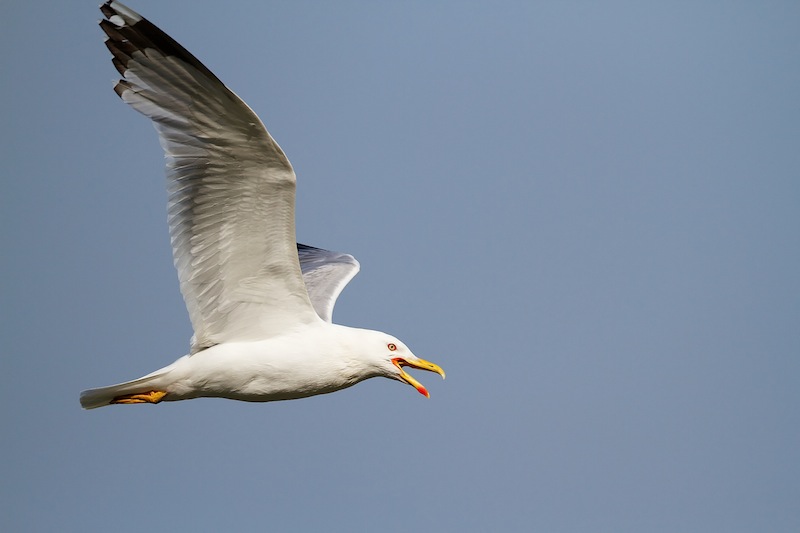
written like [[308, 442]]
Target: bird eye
[[392, 346]]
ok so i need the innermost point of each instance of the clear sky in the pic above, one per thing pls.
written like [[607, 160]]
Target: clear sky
[[586, 212]]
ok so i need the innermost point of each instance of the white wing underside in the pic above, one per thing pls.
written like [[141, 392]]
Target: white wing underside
[[325, 274], [231, 193]]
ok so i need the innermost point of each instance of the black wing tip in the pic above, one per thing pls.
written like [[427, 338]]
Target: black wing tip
[[121, 86], [311, 254], [112, 8], [138, 33], [106, 8]]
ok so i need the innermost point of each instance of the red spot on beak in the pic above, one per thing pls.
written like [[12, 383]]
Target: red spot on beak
[[399, 362]]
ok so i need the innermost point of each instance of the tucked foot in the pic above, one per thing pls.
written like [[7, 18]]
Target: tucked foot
[[154, 396]]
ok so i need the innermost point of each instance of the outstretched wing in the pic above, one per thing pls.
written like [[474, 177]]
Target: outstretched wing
[[326, 273], [231, 188]]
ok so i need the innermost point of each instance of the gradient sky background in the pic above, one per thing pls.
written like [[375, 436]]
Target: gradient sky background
[[586, 212]]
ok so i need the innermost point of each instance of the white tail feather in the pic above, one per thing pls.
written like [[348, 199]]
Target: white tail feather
[[100, 397]]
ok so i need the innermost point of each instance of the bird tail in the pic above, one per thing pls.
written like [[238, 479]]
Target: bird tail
[[142, 390]]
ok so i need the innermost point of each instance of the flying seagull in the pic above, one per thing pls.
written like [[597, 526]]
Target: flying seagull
[[260, 303]]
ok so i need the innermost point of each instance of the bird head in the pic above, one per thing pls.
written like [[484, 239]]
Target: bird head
[[396, 356]]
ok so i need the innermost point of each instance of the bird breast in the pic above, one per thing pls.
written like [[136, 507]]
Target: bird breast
[[267, 370]]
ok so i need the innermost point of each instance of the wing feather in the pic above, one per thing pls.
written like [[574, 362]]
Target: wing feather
[[326, 273]]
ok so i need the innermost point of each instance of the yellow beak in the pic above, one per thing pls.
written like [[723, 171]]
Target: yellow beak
[[422, 364]]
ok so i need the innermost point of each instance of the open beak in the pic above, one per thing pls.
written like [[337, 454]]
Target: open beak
[[422, 364]]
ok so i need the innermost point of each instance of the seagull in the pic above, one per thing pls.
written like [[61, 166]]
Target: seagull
[[260, 303]]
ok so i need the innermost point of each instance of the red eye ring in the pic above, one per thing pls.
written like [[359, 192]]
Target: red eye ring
[[392, 346]]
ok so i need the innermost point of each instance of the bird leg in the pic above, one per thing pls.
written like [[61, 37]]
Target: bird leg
[[153, 396]]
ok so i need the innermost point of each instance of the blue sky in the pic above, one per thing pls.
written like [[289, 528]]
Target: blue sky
[[586, 213]]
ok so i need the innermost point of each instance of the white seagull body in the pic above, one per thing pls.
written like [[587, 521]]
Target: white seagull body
[[260, 304]]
